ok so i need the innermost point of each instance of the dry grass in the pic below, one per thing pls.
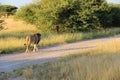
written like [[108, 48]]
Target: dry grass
[[12, 25], [16, 31], [9, 44], [111, 46], [10, 39], [61, 38], [100, 63]]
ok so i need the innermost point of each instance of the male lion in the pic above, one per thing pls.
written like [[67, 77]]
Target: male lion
[[32, 39]]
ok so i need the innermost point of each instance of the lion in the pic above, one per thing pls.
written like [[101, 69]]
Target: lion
[[32, 39]]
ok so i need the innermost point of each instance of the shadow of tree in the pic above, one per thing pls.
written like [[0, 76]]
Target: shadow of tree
[[1, 27], [1, 24]]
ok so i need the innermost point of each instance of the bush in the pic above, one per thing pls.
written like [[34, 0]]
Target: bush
[[66, 15], [115, 12]]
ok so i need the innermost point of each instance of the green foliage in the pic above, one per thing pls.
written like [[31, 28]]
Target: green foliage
[[7, 9], [27, 13], [67, 15], [115, 12]]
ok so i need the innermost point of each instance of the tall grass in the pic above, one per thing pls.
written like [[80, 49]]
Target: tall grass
[[15, 34], [13, 41], [10, 39], [100, 63], [11, 44]]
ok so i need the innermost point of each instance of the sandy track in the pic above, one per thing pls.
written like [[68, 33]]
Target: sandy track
[[10, 62]]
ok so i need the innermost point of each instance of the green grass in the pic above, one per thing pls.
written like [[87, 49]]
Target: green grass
[[8, 40], [100, 63], [20, 34]]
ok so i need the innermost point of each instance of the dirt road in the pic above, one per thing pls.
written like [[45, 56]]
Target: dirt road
[[10, 62]]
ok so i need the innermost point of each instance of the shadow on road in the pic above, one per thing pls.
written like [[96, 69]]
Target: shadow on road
[[7, 66]]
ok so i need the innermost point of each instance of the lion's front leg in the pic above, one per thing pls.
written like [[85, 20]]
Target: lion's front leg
[[35, 48]]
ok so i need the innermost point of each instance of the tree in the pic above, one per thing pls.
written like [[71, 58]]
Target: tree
[[115, 12], [75, 15], [7, 9], [27, 13], [68, 15]]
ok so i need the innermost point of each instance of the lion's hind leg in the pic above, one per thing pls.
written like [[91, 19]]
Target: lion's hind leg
[[27, 50]]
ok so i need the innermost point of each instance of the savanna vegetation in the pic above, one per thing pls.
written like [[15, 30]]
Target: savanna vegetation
[[7, 10], [74, 20], [8, 40], [70, 15], [100, 63]]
